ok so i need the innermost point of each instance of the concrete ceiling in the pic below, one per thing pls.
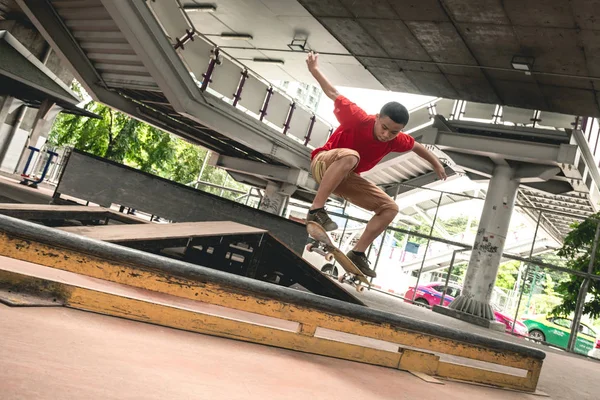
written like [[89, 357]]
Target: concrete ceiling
[[273, 24], [462, 49], [8, 8]]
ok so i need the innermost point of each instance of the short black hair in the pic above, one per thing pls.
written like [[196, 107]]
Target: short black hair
[[396, 111]]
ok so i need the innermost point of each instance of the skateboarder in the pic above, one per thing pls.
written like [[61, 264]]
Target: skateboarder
[[356, 146]]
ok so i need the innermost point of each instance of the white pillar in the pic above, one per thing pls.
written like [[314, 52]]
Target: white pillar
[[489, 245], [6, 103], [276, 197], [272, 200], [42, 125], [5, 107]]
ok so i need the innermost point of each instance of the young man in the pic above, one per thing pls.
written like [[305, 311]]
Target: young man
[[356, 146]]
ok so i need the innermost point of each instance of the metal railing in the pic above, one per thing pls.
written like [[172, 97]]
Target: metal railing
[[512, 300]]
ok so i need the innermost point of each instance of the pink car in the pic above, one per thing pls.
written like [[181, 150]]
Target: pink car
[[430, 294]]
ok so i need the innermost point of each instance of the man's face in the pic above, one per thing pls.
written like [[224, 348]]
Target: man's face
[[386, 129]]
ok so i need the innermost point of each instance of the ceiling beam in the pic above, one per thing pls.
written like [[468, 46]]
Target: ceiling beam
[[416, 183]]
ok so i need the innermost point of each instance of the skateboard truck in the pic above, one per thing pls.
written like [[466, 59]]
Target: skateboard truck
[[321, 249], [325, 247]]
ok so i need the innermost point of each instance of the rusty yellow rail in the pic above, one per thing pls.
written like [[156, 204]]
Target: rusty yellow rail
[[416, 340]]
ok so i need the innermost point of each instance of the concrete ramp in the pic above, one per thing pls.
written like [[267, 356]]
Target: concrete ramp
[[218, 245], [102, 277]]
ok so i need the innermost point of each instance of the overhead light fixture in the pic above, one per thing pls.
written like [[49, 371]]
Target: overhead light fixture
[[268, 60], [298, 44], [235, 36], [523, 63], [208, 8]]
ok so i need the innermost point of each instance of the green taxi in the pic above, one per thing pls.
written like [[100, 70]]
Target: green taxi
[[556, 331]]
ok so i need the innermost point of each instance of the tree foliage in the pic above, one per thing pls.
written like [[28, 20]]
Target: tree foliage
[[507, 274], [128, 141], [576, 249]]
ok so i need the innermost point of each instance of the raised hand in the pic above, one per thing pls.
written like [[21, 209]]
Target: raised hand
[[312, 61]]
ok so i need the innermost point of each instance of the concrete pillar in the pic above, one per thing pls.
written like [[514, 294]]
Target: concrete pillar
[[6, 141], [275, 197], [489, 245], [5, 107], [42, 125]]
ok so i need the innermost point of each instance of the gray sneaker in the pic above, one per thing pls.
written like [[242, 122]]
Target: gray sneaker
[[362, 262], [321, 218]]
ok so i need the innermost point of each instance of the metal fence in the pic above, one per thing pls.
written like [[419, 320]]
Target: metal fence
[[407, 256]]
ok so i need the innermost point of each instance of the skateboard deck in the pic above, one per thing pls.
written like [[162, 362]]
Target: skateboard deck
[[353, 275]]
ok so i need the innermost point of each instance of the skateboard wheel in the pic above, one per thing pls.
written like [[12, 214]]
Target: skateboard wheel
[[329, 257], [360, 288], [309, 247], [341, 278]]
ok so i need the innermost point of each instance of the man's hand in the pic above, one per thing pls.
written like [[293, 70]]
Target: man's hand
[[440, 171], [438, 167], [312, 61], [326, 86]]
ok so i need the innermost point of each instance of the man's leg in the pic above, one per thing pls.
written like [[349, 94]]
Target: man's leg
[[365, 194], [374, 228], [334, 175], [329, 168]]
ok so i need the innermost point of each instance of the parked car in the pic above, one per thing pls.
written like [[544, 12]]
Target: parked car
[[430, 294], [557, 330], [595, 352], [520, 328]]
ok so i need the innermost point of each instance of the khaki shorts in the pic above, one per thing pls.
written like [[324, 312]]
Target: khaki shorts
[[353, 188]]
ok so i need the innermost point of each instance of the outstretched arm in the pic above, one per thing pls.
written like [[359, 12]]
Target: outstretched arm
[[313, 67], [432, 159]]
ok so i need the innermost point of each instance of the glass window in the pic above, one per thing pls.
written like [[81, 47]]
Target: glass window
[[451, 291], [565, 323], [586, 330]]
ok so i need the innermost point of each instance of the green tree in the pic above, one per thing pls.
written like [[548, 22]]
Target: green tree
[[507, 274], [125, 140], [114, 135], [218, 176], [576, 250], [190, 159], [455, 225], [86, 134], [423, 228]]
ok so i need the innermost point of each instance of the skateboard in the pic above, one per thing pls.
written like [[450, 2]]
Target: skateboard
[[325, 247]]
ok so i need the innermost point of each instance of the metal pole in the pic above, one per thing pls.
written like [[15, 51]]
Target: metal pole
[[343, 233], [537, 226], [583, 293], [383, 239], [224, 185], [202, 168], [533, 283], [379, 253], [520, 297], [450, 268], [517, 285], [427, 246], [248, 195], [345, 225]]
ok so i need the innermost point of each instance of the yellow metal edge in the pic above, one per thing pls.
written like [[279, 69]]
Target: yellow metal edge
[[483, 376], [143, 311], [207, 292]]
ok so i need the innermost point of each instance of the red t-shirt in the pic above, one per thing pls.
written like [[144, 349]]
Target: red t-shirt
[[356, 132]]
